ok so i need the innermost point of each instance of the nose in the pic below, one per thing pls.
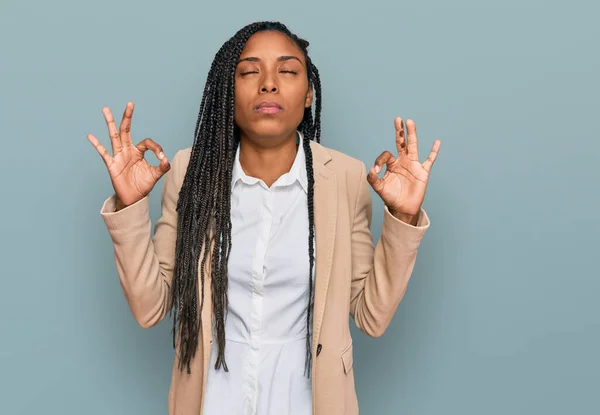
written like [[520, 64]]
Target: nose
[[269, 85], [268, 88]]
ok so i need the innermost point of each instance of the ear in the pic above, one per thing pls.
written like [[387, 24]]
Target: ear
[[309, 96]]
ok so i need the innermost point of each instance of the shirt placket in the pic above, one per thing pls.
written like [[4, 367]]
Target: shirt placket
[[256, 317]]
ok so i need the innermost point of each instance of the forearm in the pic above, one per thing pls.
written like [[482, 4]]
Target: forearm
[[381, 289], [143, 279]]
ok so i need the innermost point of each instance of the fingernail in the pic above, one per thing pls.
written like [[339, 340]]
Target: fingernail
[[377, 168], [161, 155]]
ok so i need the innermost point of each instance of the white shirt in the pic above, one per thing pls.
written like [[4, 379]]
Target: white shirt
[[268, 292]]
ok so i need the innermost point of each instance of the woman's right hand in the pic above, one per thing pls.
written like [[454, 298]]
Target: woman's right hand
[[131, 175]]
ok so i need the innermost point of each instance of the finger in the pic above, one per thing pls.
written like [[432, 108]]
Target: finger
[[384, 158], [164, 165], [101, 150], [432, 156], [413, 142], [400, 140], [375, 182], [115, 139], [125, 127], [149, 144]]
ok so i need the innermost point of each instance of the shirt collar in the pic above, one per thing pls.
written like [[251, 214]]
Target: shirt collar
[[297, 172]]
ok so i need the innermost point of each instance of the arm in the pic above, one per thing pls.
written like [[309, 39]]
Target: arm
[[144, 263], [380, 274]]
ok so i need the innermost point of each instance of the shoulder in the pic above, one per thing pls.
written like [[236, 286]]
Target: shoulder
[[183, 156], [179, 163], [335, 160], [350, 174], [341, 164]]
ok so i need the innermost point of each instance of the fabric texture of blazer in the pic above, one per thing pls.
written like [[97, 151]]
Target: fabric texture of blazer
[[353, 276]]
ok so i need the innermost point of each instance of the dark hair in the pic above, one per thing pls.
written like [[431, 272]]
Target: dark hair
[[204, 204]]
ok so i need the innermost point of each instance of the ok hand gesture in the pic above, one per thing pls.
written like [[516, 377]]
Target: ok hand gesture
[[131, 175], [403, 185]]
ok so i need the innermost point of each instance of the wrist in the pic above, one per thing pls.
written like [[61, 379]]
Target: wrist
[[404, 217], [119, 205]]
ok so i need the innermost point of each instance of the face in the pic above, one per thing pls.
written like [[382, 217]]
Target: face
[[271, 87]]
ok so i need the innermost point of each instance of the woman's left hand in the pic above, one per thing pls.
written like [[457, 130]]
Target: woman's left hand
[[403, 185]]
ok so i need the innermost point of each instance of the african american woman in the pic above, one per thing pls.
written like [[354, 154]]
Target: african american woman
[[263, 247]]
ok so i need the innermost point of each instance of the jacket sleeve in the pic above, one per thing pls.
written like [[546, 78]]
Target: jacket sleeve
[[144, 262], [380, 273]]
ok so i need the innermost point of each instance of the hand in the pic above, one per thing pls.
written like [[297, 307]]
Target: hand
[[403, 185], [132, 176]]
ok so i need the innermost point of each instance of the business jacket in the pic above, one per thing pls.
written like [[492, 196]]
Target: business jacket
[[353, 277]]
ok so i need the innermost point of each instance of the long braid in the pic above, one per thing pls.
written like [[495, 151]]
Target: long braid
[[204, 205], [311, 249], [312, 131]]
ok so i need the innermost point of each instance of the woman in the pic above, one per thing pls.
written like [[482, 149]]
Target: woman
[[258, 327]]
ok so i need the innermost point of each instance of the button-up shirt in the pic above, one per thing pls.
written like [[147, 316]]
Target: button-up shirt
[[268, 292]]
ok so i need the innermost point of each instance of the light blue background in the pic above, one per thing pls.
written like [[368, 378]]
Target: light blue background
[[502, 314]]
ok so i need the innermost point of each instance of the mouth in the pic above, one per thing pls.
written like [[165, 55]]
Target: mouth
[[268, 107]]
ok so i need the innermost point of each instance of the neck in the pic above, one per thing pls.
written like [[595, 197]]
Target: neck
[[267, 159]]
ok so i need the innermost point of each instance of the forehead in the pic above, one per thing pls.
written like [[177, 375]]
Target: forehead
[[270, 45]]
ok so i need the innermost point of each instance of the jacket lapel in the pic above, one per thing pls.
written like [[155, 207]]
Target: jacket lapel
[[325, 210]]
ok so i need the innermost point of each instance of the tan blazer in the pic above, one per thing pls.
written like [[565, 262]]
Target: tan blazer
[[353, 277]]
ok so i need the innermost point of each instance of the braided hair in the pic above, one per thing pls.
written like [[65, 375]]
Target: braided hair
[[204, 204]]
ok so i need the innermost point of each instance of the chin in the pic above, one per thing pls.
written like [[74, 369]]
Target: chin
[[270, 128]]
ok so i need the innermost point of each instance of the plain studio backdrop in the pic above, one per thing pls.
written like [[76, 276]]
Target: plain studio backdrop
[[502, 313]]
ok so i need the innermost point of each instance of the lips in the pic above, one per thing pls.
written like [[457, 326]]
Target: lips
[[268, 107]]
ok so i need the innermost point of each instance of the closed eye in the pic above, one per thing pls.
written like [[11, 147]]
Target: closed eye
[[251, 72]]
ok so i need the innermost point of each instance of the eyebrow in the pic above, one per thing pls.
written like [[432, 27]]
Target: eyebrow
[[280, 59]]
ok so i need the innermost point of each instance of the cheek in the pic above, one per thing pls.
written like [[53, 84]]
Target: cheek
[[300, 92], [242, 89], [241, 103]]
